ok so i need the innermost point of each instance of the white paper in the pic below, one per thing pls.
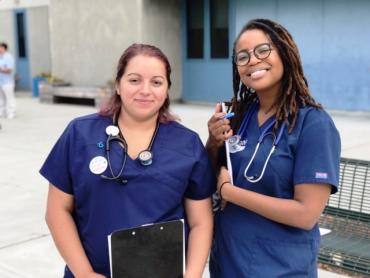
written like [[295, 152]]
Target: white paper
[[228, 160], [324, 231]]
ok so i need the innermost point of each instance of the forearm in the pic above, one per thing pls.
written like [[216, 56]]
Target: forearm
[[212, 150], [66, 238], [199, 244], [6, 70], [286, 211]]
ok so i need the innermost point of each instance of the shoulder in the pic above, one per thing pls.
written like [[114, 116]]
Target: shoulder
[[315, 123], [175, 128], [89, 119], [309, 116], [178, 137], [88, 125], [8, 57]]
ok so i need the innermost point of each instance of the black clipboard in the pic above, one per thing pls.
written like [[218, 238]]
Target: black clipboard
[[153, 250]]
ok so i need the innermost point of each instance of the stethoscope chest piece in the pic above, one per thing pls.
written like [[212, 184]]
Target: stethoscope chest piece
[[112, 130], [145, 157], [236, 144]]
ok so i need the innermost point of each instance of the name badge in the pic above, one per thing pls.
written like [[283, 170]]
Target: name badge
[[98, 165], [236, 144]]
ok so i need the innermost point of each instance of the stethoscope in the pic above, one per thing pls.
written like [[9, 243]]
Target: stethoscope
[[264, 134], [114, 134]]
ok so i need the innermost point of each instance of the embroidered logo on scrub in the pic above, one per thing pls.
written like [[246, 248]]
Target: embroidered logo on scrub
[[321, 175], [98, 165], [236, 144]]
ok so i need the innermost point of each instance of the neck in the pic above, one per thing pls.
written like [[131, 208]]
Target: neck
[[267, 103], [128, 122]]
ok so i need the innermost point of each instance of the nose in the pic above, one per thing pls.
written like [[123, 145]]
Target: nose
[[145, 89], [253, 59]]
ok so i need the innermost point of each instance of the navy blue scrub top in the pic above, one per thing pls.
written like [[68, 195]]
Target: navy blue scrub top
[[153, 193], [249, 245]]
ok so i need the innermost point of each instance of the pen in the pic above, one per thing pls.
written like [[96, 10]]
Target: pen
[[228, 115]]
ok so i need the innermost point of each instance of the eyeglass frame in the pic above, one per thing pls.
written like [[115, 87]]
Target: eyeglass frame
[[235, 57]]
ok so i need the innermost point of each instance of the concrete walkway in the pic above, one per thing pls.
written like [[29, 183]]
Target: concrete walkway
[[26, 248]]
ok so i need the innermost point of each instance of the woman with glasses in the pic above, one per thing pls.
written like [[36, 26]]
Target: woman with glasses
[[284, 151], [131, 164]]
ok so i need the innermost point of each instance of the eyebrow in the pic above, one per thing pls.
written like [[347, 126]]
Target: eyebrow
[[246, 49], [155, 76]]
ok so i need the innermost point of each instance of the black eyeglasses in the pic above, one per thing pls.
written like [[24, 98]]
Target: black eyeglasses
[[261, 52]]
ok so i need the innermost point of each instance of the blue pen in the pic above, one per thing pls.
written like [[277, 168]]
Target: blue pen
[[229, 115]]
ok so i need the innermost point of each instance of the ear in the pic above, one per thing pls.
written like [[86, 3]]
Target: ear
[[117, 89]]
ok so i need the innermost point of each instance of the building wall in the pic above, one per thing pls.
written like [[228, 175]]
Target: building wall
[[161, 27], [38, 40], [14, 4], [332, 36], [7, 29], [87, 40]]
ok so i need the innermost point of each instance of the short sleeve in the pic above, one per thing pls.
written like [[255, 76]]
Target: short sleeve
[[202, 183], [10, 62], [317, 156], [56, 168]]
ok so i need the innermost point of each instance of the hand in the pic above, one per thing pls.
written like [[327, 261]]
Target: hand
[[224, 180], [219, 129]]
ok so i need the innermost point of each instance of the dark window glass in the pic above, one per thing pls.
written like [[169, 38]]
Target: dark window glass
[[21, 36], [195, 28], [219, 28]]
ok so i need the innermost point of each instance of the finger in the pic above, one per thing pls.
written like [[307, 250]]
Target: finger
[[228, 134], [216, 117], [223, 204], [218, 107], [221, 132], [219, 127]]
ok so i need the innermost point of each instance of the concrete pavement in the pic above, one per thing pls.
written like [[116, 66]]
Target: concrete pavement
[[26, 247]]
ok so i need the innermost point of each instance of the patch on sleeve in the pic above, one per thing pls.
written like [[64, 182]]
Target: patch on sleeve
[[321, 175]]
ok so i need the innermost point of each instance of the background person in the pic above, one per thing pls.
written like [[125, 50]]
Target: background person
[[93, 193], [268, 225], [7, 84]]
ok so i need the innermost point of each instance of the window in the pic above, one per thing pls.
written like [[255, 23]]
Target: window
[[21, 36], [195, 28], [219, 16]]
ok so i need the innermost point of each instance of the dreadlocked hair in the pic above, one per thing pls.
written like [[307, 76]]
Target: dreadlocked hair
[[294, 92]]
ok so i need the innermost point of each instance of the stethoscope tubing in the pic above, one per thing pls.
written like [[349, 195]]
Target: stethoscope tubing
[[119, 137], [276, 140]]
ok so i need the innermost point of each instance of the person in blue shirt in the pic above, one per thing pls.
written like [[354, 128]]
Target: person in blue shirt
[[285, 154], [7, 84], [130, 165]]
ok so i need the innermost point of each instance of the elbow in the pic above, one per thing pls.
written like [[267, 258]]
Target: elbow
[[48, 218], [307, 224]]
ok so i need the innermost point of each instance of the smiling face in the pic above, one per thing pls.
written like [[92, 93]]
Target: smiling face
[[143, 88], [264, 76]]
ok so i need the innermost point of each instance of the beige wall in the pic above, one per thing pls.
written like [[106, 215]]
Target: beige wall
[[7, 29], [87, 40], [161, 27], [38, 40]]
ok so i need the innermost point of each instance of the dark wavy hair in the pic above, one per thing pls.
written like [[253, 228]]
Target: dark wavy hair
[[294, 92], [114, 104]]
